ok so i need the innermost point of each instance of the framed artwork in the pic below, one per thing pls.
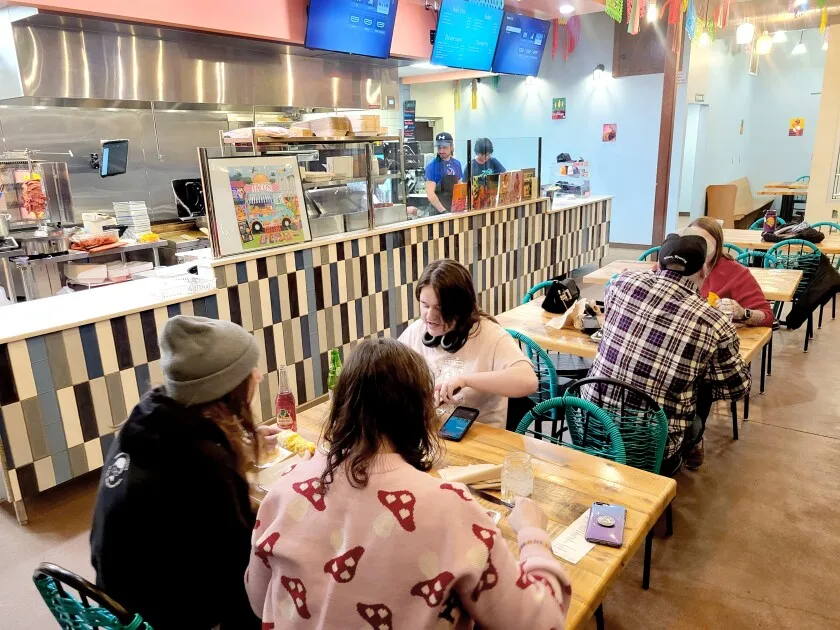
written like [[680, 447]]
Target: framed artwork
[[796, 127], [609, 132], [257, 203]]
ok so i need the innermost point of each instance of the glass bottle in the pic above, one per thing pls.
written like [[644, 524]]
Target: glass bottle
[[284, 406]]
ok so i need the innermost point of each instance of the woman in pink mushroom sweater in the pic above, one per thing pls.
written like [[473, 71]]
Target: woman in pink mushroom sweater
[[362, 537]]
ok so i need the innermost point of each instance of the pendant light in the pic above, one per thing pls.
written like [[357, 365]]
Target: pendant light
[[763, 44], [800, 48], [652, 12], [779, 37], [704, 40], [744, 33]]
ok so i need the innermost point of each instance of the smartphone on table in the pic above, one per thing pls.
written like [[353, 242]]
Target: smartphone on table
[[606, 524], [457, 425]]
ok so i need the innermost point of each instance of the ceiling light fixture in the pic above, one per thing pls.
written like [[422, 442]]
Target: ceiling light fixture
[[651, 12], [704, 40], [599, 72], [825, 44], [779, 37], [800, 48], [744, 33], [567, 9], [764, 44]]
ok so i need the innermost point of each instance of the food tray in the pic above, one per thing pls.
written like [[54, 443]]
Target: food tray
[[91, 241]]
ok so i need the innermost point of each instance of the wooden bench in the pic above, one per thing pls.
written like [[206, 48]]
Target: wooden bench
[[735, 204]]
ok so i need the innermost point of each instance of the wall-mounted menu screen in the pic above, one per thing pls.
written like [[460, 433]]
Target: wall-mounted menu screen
[[467, 31], [521, 44], [360, 27]]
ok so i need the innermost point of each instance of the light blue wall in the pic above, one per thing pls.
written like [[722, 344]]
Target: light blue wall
[[625, 168]]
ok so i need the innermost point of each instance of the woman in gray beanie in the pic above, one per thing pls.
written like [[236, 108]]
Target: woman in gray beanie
[[173, 518]]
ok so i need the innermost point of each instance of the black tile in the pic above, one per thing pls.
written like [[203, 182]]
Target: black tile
[[4, 439], [363, 274], [241, 273], [377, 272], [386, 310], [27, 481], [345, 323], [150, 335], [8, 390], [262, 268], [306, 340], [211, 307], [87, 413], [173, 309], [293, 295], [456, 253], [325, 369], [354, 248], [401, 328], [446, 248], [402, 266], [143, 378], [360, 324], [299, 264], [119, 328], [300, 379], [233, 302], [198, 308], [274, 296], [270, 352], [90, 347], [339, 250], [105, 442], [334, 283], [383, 242], [319, 289]]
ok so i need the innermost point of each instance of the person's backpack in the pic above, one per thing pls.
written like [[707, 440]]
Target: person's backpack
[[824, 284], [561, 295]]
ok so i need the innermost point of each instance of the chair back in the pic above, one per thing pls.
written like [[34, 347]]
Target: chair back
[[595, 432], [648, 253], [747, 257], [829, 227], [641, 422], [795, 253], [759, 223], [733, 250], [541, 286], [92, 610], [547, 387]]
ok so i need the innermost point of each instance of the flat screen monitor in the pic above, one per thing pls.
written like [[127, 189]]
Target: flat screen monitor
[[359, 27], [114, 158], [521, 44], [467, 31]]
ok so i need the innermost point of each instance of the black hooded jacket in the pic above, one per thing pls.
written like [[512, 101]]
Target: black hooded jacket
[[172, 524]]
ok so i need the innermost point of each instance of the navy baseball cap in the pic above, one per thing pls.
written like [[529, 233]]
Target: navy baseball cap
[[444, 137], [687, 251]]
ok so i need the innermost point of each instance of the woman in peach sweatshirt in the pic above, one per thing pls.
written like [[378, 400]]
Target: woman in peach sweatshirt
[[363, 537]]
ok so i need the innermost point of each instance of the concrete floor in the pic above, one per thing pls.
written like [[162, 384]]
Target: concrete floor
[[756, 536]]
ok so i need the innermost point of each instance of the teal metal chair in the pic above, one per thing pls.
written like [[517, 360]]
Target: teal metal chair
[[547, 387], [758, 224], [648, 253], [796, 253], [746, 259], [733, 250], [829, 227], [92, 610], [566, 366]]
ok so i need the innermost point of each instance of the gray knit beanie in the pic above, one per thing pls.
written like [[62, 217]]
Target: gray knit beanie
[[204, 359]]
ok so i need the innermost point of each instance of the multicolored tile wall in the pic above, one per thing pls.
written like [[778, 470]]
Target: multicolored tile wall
[[63, 394]]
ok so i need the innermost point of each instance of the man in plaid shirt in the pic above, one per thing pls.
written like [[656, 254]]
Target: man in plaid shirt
[[662, 337]]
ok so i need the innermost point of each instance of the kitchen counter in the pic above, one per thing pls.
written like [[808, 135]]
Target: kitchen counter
[[567, 204]]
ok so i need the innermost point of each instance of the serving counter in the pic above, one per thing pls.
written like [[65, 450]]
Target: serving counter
[[71, 369]]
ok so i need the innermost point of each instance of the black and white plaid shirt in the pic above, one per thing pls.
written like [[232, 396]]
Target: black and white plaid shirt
[[661, 336]]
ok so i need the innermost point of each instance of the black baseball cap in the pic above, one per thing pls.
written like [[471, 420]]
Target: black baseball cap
[[688, 251], [444, 137]]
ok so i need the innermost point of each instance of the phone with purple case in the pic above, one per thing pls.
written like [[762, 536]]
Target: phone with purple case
[[606, 524]]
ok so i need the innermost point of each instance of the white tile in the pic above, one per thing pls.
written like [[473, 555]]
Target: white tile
[[93, 451], [14, 490], [17, 435], [22, 369], [44, 473], [70, 417], [107, 350], [75, 355], [129, 386]]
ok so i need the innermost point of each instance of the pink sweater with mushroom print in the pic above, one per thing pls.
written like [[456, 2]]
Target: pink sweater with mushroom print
[[408, 551]]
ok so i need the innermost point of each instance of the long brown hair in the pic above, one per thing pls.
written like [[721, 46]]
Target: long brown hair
[[708, 224], [383, 399], [453, 285], [232, 414]]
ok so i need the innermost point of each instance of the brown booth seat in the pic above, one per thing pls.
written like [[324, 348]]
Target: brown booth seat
[[735, 204]]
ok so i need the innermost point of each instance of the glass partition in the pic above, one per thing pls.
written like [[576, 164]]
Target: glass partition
[[435, 181], [502, 171]]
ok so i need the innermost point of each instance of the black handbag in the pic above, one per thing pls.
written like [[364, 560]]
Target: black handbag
[[561, 296]]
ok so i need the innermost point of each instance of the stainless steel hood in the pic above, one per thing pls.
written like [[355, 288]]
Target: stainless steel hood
[[55, 58]]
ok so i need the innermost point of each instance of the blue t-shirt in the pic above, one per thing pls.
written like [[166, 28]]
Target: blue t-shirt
[[437, 169], [490, 167]]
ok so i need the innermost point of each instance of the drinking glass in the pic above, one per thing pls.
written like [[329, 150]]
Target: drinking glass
[[517, 476]]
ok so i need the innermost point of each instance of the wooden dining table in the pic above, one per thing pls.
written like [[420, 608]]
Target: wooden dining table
[[566, 483], [751, 239], [778, 285], [787, 191]]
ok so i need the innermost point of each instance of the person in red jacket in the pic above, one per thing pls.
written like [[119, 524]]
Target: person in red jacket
[[739, 293]]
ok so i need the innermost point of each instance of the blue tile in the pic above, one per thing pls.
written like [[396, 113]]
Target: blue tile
[[56, 442], [304, 334], [307, 258], [61, 467], [274, 294], [241, 273], [144, 379], [211, 307], [50, 412], [90, 346], [173, 309], [43, 377], [299, 260], [37, 349]]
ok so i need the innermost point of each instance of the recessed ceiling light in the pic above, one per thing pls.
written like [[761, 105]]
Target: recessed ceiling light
[[567, 9]]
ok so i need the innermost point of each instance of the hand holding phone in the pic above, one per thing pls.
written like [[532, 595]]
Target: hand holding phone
[[457, 425], [606, 524]]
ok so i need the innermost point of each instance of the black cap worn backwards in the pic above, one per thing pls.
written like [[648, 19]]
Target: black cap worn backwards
[[687, 251], [444, 137]]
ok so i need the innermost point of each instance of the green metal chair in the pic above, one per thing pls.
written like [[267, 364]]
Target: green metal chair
[[758, 224], [829, 227], [547, 387], [643, 426], [648, 253], [567, 366], [78, 614], [796, 253]]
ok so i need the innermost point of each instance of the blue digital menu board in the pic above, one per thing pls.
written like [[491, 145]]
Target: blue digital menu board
[[467, 31], [521, 44], [360, 27]]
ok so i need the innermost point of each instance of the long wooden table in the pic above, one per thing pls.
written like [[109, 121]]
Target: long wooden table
[[530, 319], [751, 239], [778, 285], [566, 483]]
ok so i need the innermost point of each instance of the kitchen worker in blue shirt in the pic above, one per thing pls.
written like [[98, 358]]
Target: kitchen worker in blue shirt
[[442, 174], [484, 163]]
